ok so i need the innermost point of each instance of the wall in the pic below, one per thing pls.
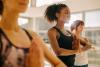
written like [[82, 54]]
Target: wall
[[83, 5], [75, 6]]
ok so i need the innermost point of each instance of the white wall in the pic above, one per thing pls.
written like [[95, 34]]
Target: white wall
[[34, 12], [75, 6], [83, 5]]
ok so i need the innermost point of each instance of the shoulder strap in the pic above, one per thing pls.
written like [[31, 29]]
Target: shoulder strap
[[30, 37], [61, 32], [68, 31], [1, 31], [58, 31], [3, 56]]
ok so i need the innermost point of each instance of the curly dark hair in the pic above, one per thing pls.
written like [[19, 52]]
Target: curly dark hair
[[1, 7], [50, 13]]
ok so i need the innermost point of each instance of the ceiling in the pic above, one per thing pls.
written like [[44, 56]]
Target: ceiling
[[38, 3]]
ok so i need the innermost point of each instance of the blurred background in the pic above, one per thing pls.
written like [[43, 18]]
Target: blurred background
[[86, 10]]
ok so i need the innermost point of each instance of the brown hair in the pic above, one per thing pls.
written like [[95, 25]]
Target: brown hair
[[76, 23], [76, 41], [1, 7]]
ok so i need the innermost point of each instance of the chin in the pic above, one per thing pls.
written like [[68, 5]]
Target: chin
[[22, 10]]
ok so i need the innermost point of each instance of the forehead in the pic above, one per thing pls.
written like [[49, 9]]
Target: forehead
[[81, 25], [64, 9]]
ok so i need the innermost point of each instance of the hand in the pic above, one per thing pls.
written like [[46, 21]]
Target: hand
[[80, 50], [88, 46], [35, 53], [93, 47]]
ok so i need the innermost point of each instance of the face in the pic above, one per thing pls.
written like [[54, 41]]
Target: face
[[80, 28], [16, 5], [64, 15]]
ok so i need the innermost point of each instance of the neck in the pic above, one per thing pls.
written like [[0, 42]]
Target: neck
[[76, 33], [9, 20], [60, 25]]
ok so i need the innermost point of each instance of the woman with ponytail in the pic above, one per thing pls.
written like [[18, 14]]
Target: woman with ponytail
[[62, 41]]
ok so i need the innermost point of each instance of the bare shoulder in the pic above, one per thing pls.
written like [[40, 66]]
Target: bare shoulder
[[52, 31], [33, 34], [36, 37]]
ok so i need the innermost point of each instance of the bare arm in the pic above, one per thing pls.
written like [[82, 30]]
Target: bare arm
[[53, 41], [52, 58], [47, 53]]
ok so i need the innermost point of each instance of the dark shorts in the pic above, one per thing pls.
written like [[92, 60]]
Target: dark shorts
[[68, 60], [82, 66]]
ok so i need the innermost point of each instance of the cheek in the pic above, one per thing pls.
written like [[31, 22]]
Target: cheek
[[66, 17], [10, 5], [63, 18], [78, 29], [81, 29]]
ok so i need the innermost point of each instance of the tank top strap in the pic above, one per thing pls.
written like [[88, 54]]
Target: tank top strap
[[2, 33], [58, 30], [1, 43], [10, 43], [28, 34]]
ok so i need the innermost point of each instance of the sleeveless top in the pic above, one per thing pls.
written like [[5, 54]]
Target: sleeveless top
[[81, 58], [65, 41], [10, 55]]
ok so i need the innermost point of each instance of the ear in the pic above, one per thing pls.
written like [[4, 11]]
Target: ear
[[57, 15]]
